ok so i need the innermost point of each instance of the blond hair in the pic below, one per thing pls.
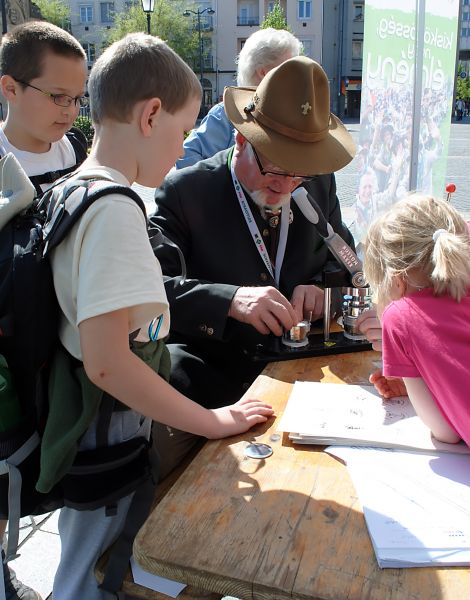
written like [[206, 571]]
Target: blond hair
[[139, 67], [418, 234]]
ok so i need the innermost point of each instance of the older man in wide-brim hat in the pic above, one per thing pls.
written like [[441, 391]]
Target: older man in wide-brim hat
[[254, 261]]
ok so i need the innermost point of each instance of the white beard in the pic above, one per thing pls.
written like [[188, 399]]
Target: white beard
[[259, 198]]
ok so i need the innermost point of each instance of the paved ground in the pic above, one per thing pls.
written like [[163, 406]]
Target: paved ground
[[40, 546]]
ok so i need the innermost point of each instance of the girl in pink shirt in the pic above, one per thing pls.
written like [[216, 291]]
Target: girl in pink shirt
[[417, 260]]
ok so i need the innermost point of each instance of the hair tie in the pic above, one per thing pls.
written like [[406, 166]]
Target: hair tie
[[437, 233]]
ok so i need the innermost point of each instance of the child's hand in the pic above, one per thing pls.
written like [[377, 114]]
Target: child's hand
[[239, 417], [388, 387]]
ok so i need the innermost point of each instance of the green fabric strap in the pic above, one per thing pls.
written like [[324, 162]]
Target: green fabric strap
[[73, 404]]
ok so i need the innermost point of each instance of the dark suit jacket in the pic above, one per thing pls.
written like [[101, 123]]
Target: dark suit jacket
[[197, 208]]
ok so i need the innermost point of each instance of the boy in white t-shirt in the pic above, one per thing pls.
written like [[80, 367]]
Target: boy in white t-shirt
[[43, 75], [109, 283]]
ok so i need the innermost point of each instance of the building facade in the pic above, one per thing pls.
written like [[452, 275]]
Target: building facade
[[463, 55], [464, 45], [236, 20], [331, 32], [343, 36], [90, 20]]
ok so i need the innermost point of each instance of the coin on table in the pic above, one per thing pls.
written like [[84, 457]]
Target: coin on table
[[258, 450]]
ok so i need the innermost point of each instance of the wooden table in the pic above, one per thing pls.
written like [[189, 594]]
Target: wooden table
[[289, 526]]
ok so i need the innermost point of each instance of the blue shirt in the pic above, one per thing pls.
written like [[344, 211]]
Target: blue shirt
[[215, 133]]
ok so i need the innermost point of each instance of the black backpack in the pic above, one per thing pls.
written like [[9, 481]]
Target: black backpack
[[28, 338]]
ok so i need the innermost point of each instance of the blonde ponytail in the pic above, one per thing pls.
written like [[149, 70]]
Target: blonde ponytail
[[419, 233], [451, 265]]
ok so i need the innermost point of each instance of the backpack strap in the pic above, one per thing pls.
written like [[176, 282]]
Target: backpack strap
[[10, 466], [66, 208], [49, 177], [80, 146], [79, 143], [121, 551], [157, 239], [60, 221]]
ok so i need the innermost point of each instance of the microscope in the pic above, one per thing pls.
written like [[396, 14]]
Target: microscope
[[345, 274]]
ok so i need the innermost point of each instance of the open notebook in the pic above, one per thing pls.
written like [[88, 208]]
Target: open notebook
[[355, 415], [416, 504]]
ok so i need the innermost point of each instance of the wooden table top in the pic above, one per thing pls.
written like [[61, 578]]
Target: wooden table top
[[289, 526]]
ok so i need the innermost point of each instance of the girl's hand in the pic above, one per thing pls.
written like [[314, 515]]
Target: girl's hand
[[388, 387], [239, 417]]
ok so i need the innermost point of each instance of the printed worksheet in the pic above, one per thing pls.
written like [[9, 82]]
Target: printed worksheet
[[331, 413]]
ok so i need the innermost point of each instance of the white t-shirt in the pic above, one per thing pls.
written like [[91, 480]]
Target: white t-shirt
[[61, 155], [106, 263]]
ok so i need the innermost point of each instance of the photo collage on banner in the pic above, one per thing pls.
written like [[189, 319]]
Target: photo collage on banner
[[389, 107]]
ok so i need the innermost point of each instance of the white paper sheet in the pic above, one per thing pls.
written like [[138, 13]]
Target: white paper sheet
[[416, 505], [154, 582], [331, 413]]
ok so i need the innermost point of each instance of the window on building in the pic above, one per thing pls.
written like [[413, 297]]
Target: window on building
[[305, 9], [271, 6], [89, 51], [466, 16], [207, 53], [358, 12], [130, 4], [86, 13], [248, 14], [356, 49], [307, 48], [107, 12], [466, 2]]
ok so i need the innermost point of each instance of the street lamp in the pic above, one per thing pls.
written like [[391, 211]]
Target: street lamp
[[147, 7], [198, 13]]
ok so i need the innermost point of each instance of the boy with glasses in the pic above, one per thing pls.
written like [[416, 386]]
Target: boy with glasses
[[254, 262], [43, 75]]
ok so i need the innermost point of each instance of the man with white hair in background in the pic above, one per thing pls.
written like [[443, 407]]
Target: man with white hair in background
[[262, 51]]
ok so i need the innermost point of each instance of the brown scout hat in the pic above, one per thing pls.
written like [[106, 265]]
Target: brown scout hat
[[287, 119]]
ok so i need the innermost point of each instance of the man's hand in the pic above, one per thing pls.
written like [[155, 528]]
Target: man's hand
[[308, 299], [265, 308], [239, 417], [388, 387], [369, 325]]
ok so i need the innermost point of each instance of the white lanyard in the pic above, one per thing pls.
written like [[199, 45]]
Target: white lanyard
[[257, 239]]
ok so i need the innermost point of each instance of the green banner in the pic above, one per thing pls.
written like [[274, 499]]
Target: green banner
[[391, 103]]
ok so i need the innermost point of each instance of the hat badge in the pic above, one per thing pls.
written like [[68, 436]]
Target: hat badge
[[306, 108], [250, 107]]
